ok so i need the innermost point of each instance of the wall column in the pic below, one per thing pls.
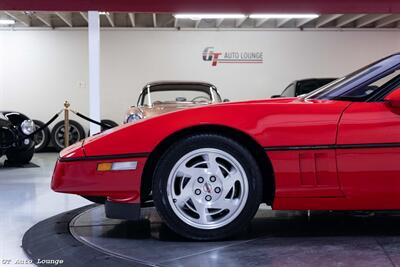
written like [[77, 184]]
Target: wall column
[[94, 69]]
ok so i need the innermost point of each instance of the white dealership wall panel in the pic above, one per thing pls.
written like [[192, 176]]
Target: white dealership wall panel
[[42, 68]]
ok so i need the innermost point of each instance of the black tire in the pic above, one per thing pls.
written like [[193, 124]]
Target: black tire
[[57, 134], [21, 157], [203, 141], [41, 138], [110, 123]]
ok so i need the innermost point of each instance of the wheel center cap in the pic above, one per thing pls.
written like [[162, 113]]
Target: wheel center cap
[[207, 188]]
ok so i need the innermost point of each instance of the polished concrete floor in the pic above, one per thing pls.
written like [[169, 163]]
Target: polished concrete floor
[[25, 199], [273, 239]]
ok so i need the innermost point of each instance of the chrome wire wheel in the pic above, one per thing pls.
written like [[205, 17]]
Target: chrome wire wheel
[[207, 188]]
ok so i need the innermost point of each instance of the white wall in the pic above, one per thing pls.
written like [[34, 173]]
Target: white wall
[[40, 69]]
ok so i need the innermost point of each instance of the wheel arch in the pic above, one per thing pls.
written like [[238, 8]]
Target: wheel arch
[[252, 145]]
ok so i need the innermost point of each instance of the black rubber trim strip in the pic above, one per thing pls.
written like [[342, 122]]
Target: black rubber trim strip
[[318, 147], [106, 157]]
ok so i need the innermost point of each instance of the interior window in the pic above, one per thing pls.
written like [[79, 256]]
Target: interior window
[[361, 81], [306, 87], [389, 82], [177, 96]]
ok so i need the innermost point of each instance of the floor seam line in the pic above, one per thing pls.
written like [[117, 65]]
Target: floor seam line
[[384, 251], [207, 251]]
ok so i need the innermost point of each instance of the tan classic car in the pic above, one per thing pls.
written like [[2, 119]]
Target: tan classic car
[[166, 96]]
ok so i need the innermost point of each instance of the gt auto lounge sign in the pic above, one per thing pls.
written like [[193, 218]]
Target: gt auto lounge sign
[[231, 57]]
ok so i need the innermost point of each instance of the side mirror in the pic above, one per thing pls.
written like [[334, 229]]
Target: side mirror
[[393, 99], [226, 100], [275, 96]]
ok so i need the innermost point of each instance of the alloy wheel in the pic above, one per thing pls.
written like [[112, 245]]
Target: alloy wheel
[[207, 188]]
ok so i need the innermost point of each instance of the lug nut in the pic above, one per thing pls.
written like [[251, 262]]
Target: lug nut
[[208, 197], [197, 191], [213, 179], [217, 190], [200, 179]]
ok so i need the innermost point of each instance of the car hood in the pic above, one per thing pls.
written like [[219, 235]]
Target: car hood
[[271, 101], [246, 116]]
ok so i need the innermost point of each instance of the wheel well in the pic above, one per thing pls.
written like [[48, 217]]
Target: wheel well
[[255, 149]]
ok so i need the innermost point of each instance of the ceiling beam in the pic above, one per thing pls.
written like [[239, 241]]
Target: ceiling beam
[[302, 22], [110, 18], [197, 23], [348, 18], [84, 16], [154, 20], [260, 22], [132, 19], [219, 22], [325, 19], [239, 22], [281, 22], [44, 18], [388, 20], [368, 19], [25, 20], [66, 17]]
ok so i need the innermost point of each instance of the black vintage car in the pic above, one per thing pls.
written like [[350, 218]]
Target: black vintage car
[[15, 141]]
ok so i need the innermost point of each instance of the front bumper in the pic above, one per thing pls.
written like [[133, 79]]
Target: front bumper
[[81, 177]]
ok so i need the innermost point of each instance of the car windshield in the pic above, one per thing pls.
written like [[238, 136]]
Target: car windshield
[[363, 83], [177, 96]]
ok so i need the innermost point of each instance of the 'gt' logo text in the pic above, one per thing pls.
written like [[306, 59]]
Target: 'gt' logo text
[[233, 57], [210, 55]]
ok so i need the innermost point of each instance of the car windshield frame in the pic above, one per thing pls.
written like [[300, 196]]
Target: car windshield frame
[[212, 91], [338, 89]]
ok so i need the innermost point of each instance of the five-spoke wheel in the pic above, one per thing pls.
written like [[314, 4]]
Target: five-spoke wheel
[[207, 187]]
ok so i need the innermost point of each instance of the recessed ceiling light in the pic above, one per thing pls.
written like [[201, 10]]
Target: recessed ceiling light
[[283, 16], [29, 13], [104, 13], [209, 16], [7, 22]]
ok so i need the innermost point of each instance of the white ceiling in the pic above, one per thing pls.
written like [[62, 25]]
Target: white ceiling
[[152, 20]]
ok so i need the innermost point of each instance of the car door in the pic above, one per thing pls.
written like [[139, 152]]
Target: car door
[[368, 155]]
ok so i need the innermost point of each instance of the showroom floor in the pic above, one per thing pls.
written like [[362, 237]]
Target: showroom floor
[[25, 199], [274, 238]]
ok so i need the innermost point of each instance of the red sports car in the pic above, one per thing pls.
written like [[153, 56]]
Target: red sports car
[[207, 169]]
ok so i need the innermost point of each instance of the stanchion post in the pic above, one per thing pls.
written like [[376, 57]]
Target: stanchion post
[[66, 123]]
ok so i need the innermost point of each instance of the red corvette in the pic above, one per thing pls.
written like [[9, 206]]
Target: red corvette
[[207, 169]]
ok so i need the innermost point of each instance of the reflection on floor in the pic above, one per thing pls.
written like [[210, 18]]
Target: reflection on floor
[[25, 199], [273, 239]]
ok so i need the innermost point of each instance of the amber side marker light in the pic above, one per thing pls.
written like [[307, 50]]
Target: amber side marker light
[[103, 167], [117, 166]]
